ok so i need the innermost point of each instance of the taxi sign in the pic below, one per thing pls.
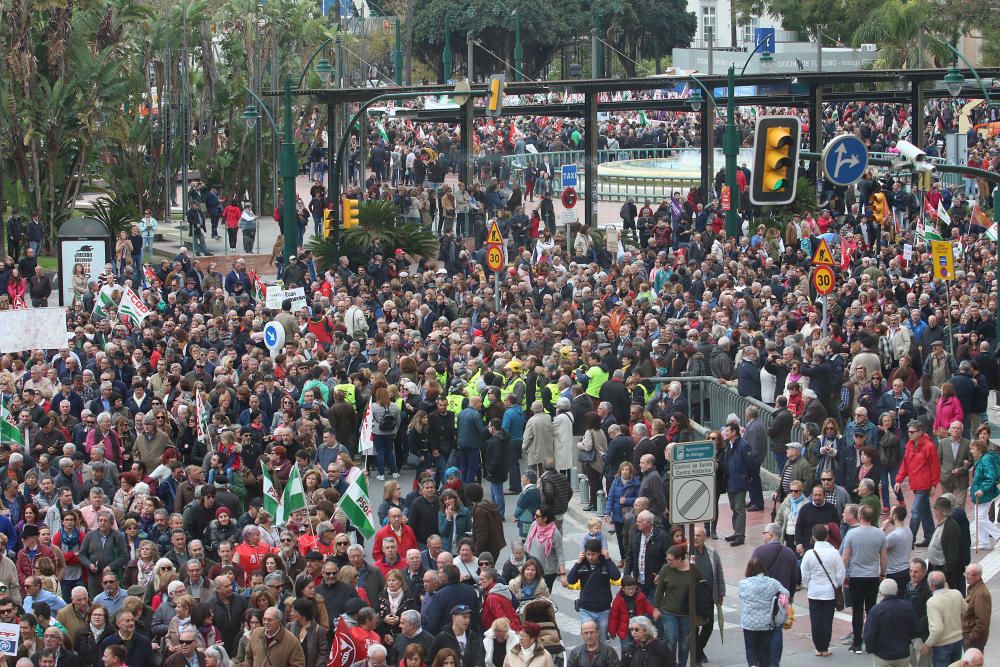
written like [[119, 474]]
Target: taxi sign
[[494, 257], [823, 280], [822, 255], [494, 235], [944, 260]]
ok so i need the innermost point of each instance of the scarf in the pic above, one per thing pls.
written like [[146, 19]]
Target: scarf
[[68, 541], [97, 632], [543, 535], [395, 599]]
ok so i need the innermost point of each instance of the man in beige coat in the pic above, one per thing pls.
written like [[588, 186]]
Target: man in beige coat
[[273, 645], [539, 440]]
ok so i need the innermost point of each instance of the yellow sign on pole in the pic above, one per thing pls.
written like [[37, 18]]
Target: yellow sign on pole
[[494, 235], [944, 260]]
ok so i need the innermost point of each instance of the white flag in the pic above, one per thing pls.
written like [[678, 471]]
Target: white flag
[[943, 214], [366, 440]]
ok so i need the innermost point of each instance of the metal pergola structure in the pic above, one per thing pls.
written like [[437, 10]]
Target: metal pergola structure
[[809, 90]]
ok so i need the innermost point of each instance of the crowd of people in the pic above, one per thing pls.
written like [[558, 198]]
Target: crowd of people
[[132, 510]]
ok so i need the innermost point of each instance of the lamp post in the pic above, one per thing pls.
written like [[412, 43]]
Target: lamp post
[[397, 53], [954, 80], [447, 57], [287, 162], [498, 5], [731, 141]]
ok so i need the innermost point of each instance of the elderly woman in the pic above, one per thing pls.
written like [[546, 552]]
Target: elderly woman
[[167, 609], [646, 649], [182, 622], [528, 652]]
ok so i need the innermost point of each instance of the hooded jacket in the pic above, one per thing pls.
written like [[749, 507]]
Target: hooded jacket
[[498, 602]]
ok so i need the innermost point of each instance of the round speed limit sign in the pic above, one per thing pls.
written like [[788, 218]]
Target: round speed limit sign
[[823, 280], [494, 257]]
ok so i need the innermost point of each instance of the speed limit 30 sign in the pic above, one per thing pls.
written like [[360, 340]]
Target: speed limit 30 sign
[[823, 280], [494, 257]]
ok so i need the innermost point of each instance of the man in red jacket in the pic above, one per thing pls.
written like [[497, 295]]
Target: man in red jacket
[[405, 538], [922, 466], [26, 556], [497, 602]]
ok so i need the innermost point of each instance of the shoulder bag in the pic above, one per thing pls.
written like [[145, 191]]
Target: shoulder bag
[[838, 591]]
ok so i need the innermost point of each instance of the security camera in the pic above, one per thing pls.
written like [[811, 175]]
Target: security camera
[[911, 152]]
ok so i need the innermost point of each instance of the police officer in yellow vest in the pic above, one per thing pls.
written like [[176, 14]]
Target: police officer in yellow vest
[[551, 391], [514, 384], [349, 395], [595, 376], [456, 398]]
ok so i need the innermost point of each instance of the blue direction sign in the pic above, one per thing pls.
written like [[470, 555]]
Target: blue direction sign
[[569, 175], [845, 159], [274, 337]]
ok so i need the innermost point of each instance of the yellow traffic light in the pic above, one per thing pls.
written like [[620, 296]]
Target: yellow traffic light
[[349, 209], [776, 151], [494, 101], [878, 206], [329, 220]]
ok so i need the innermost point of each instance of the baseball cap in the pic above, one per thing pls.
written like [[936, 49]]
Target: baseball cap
[[461, 609]]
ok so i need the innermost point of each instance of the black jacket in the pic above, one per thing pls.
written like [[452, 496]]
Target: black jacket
[[556, 491], [229, 619], [496, 457], [654, 654], [656, 554], [889, 628], [779, 433], [616, 393], [595, 582], [475, 653]]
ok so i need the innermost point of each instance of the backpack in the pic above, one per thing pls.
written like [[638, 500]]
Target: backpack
[[779, 610], [388, 421]]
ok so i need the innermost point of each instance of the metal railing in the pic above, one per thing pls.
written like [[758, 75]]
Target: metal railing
[[711, 402], [620, 187]]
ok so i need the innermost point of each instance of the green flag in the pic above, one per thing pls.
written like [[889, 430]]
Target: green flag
[[643, 120], [104, 304], [294, 496], [358, 507], [9, 432]]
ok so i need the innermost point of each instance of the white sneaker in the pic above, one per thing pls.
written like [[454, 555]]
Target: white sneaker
[[395, 475], [380, 478]]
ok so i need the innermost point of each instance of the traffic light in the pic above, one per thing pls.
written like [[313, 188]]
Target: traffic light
[[878, 206], [329, 220], [494, 100], [776, 158], [349, 212]]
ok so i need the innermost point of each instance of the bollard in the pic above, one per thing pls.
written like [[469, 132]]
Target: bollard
[[602, 498], [584, 488]]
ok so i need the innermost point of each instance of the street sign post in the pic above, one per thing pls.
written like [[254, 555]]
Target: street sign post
[[845, 159], [823, 280], [692, 482], [274, 337], [569, 176], [569, 198], [494, 236], [944, 260]]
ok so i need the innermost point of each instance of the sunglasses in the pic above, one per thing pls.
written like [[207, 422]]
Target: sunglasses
[[186, 642], [343, 544]]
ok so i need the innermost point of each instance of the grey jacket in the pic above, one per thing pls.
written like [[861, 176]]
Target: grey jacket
[[113, 553], [605, 657]]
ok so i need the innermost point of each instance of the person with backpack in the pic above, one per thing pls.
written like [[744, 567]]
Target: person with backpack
[[594, 571], [765, 611], [385, 423]]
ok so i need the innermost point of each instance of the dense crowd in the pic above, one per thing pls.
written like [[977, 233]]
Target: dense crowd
[[132, 486]]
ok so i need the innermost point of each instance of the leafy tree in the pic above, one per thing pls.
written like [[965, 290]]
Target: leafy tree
[[895, 27], [836, 17], [649, 29], [376, 218]]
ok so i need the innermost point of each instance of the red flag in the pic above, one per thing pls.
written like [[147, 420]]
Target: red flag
[[930, 210], [150, 274], [343, 650], [845, 257], [18, 303]]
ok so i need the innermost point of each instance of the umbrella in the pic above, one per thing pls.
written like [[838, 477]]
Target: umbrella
[[722, 624]]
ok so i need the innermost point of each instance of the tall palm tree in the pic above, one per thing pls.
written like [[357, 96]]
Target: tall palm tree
[[895, 28]]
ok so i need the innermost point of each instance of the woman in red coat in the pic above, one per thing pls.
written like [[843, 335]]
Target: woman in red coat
[[16, 286], [231, 215], [948, 410]]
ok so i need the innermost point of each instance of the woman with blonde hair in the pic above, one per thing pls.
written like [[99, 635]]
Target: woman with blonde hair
[[385, 423], [392, 495], [181, 623]]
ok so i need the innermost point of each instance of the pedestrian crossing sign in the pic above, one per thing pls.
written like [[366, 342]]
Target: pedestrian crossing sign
[[822, 256], [494, 235]]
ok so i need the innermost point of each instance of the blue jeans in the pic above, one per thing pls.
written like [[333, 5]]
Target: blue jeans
[[36, 246], [888, 480], [385, 453], [777, 645], [599, 617], [780, 458], [676, 630], [468, 464], [198, 243], [920, 514], [757, 644], [942, 656], [496, 492], [318, 226], [147, 248]]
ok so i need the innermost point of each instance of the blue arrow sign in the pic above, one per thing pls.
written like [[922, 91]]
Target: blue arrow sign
[[569, 176], [274, 336], [845, 159]]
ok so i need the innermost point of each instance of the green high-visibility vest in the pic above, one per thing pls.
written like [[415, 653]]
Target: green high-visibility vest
[[455, 405], [554, 393], [598, 376], [348, 390], [645, 393], [442, 379], [471, 388], [508, 387]]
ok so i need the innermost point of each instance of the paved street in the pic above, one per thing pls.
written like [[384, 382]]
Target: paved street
[[726, 650]]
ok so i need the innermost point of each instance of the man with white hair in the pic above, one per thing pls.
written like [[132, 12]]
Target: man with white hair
[[889, 627], [74, 615], [945, 610], [971, 658], [410, 632], [376, 657], [976, 619], [273, 645]]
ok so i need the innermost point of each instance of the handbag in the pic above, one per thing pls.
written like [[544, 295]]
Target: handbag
[[838, 591]]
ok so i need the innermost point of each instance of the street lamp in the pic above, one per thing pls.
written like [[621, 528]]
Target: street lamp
[[251, 116], [446, 58], [325, 70], [731, 141], [695, 100]]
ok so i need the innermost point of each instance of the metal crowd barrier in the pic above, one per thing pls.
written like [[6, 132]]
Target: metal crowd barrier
[[711, 402]]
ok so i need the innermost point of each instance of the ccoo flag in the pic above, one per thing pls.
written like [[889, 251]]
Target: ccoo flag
[[272, 501], [357, 505]]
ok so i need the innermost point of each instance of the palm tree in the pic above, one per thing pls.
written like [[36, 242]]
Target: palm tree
[[895, 28]]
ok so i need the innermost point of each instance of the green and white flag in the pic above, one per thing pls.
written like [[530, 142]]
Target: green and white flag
[[381, 131], [358, 506], [9, 432], [643, 119], [272, 501], [104, 304], [294, 496]]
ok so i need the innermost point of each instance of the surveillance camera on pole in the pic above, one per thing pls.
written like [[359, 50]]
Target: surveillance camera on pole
[[914, 156]]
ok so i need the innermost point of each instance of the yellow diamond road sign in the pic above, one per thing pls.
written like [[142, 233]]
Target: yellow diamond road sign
[[494, 235], [822, 256]]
